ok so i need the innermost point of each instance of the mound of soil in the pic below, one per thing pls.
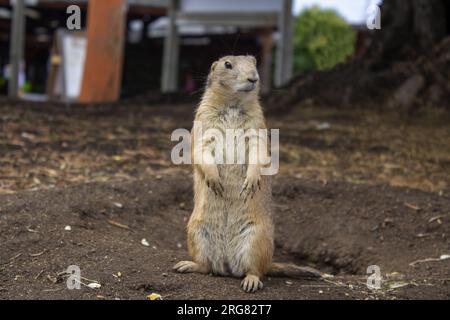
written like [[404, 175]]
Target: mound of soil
[[409, 84], [338, 227]]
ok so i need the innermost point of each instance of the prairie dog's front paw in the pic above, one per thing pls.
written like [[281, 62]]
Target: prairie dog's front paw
[[251, 284], [215, 185], [251, 184]]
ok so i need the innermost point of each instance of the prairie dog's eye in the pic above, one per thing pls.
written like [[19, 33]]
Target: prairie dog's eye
[[228, 65]]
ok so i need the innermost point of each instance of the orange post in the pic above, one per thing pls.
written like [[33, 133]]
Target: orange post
[[104, 56]]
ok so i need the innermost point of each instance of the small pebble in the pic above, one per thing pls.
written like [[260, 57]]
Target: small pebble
[[118, 205], [144, 242]]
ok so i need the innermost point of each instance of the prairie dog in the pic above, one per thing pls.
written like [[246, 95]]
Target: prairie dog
[[230, 231]]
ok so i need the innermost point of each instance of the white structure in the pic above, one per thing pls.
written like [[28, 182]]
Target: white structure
[[198, 14]]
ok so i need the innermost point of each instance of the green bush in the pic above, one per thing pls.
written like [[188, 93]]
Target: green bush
[[27, 87], [322, 39]]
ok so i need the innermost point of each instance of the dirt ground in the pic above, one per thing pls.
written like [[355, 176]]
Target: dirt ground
[[353, 191]]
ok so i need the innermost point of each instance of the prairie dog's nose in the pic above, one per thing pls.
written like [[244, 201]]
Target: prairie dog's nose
[[252, 80]]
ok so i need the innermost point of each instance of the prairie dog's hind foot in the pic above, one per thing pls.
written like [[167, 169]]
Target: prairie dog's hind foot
[[251, 283], [189, 267]]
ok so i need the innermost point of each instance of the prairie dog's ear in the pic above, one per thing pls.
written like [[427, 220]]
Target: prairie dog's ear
[[213, 66], [210, 75]]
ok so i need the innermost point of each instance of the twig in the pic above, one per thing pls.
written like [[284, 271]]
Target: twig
[[15, 257], [52, 290], [412, 206], [423, 260], [32, 230], [65, 274], [438, 219], [38, 275], [335, 283], [38, 254], [441, 258], [119, 225]]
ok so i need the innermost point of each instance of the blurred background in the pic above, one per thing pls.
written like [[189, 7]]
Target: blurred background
[[168, 45], [67, 50]]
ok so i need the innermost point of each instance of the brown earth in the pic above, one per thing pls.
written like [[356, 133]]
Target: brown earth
[[362, 189], [339, 228]]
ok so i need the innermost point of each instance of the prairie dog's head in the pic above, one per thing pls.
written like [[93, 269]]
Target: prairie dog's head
[[235, 75]]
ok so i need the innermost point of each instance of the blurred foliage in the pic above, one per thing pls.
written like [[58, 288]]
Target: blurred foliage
[[322, 39], [27, 87]]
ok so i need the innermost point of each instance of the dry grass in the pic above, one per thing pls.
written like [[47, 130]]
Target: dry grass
[[44, 148], [367, 147]]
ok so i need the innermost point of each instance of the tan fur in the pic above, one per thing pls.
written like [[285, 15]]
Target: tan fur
[[229, 232]]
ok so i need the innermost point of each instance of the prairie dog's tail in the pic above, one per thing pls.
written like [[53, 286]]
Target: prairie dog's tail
[[291, 270]]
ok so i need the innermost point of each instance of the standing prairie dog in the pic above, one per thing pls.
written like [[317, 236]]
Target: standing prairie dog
[[230, 231]]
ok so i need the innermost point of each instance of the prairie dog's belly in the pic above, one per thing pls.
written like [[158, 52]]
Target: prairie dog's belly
[[233, 171], [230, 204], [224, 218], [232, 177]]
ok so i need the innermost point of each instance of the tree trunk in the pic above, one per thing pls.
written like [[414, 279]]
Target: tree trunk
[[409, 27]]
